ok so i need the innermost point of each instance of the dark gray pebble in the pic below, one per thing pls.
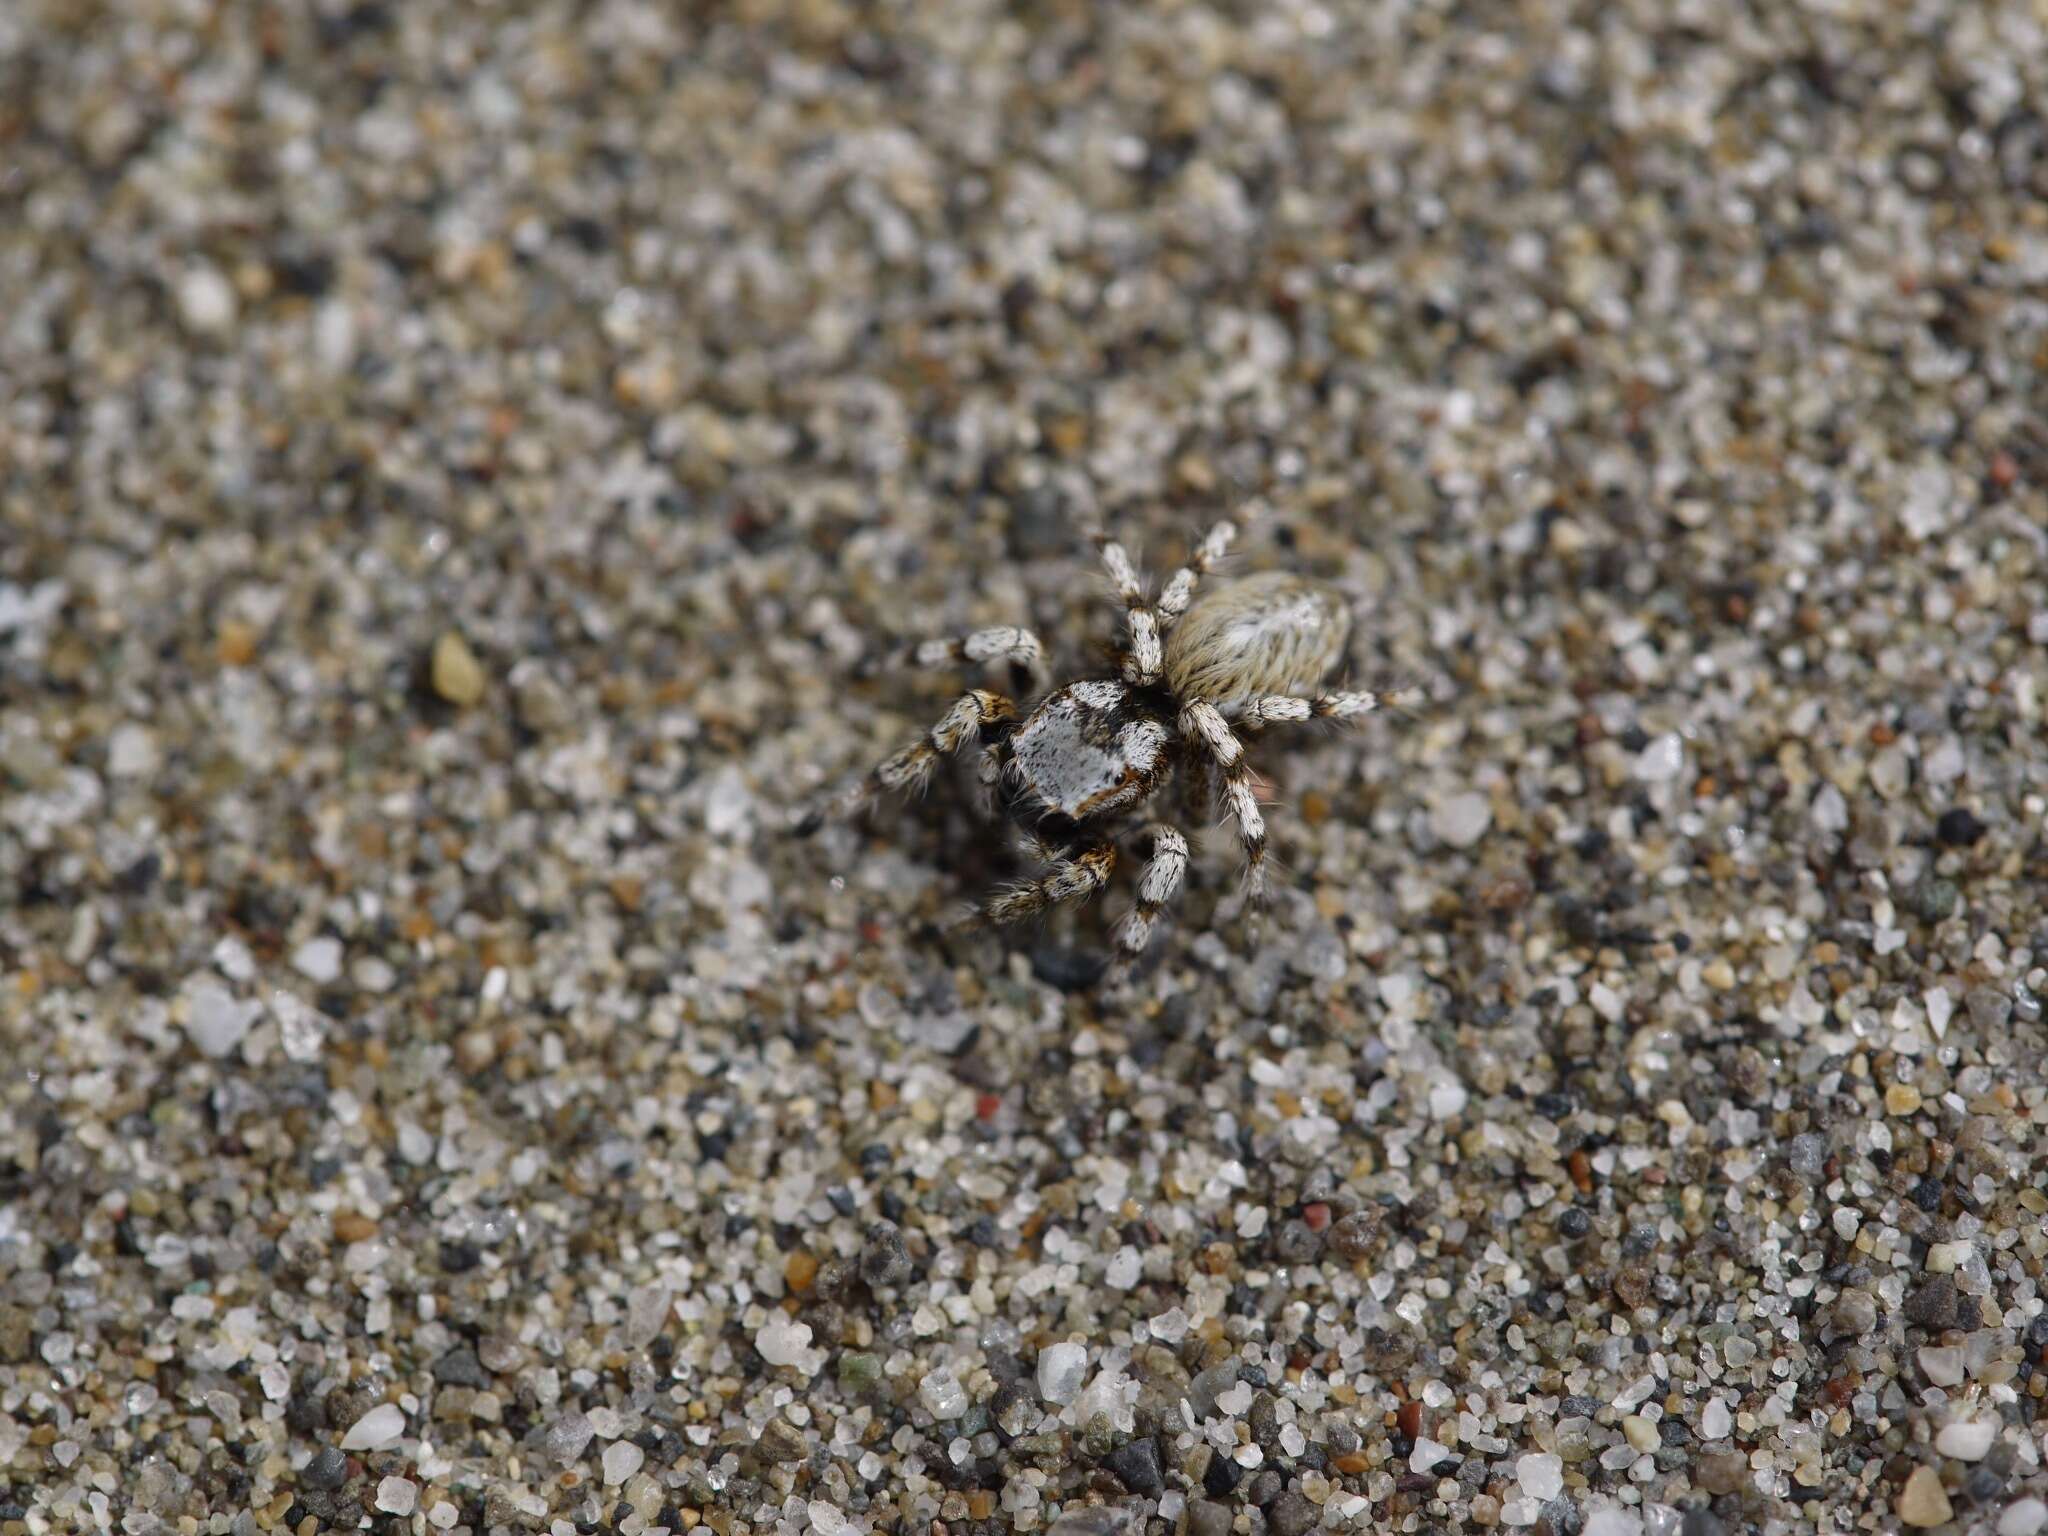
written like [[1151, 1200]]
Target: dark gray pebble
[[1136, 1466]]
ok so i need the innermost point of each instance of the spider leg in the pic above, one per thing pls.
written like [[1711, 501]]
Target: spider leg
[[1180, 591], [1146, 657], [1019, 647], [1071, 879], [1158, 886], [1198, 789], [1040, 850], [910, 769], [988, 774], [1348, 705], [1202, 723], [1118, 567]]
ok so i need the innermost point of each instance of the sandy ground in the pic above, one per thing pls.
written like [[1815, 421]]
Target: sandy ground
[[457, 464]]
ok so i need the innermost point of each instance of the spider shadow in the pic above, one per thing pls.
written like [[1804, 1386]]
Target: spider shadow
[[977, 854]]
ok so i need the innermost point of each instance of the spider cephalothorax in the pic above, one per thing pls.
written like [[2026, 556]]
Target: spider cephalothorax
[[1077, 770]]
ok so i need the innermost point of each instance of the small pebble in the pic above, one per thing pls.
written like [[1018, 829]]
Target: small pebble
[[1092, 1520], [884, 1260], [216, 1020], [397, 1495], [1724, 1474], [1061, 1369], [1808, 1155], [457, 675], [782, 1340], [1942, 1365], [942, 1395], [1460, 820], [567, 1437], [1541, 1476], [375, 1430], [1988, 1007], [460, 1368], [1932, 1303], [858, 1370], [622, 1458], [1137, 1467], [1292, 1515], [1355, 1236], [1958, 827], [1967, 1439], [318, 960], [1923, 1502], [1296, 1242], [1661, 760], [1716, 1420], [206, 301], [1123, 1270], [1854, 1313], [132, 752], [1427, 1454], [782, 1441], [301, 1030], [327, 1469], [1890, 773], [1936, 900]]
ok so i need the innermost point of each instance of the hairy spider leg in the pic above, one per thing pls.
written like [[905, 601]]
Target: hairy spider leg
[[1345, 706], [909, 770], [1072, 879], [1180, 591], [1146, 655], [1157, 887], [1019, 647], [1203, 724]]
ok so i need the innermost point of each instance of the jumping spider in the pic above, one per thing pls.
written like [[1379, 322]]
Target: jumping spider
[[1075, 771]]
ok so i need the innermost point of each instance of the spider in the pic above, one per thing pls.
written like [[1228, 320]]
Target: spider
[[1075, 772]]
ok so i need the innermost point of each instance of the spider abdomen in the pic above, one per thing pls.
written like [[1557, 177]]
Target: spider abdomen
[[1088, 750], [1274, 633]]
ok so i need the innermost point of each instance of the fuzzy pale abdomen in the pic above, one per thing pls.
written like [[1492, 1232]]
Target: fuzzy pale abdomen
[[1274, 633]]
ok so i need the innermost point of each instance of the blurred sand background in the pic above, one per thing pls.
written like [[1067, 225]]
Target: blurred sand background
[[455, 461]]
